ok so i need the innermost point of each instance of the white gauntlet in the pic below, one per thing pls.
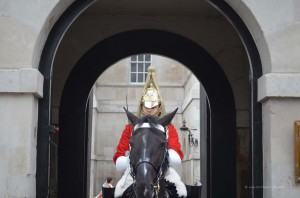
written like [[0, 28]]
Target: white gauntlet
[[122, 163], [174, 158]]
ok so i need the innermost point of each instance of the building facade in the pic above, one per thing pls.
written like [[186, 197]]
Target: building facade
[[244, 53], [179, 89]]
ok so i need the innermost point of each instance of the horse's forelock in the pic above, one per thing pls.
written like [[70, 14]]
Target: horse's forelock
[[149, 119]]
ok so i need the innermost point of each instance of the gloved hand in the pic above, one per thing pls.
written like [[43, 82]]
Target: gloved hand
[[122, 163], [174, 158]]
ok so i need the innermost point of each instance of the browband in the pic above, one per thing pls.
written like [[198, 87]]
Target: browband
[[147, 125]]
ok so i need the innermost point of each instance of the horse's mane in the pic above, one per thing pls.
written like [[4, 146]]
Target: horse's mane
[[150, 119]]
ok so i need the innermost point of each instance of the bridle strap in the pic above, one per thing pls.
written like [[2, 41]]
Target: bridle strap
[[158, 170], [147, 125], [147, 160]]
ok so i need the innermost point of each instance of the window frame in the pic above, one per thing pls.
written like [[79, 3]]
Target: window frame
[[145, 64]]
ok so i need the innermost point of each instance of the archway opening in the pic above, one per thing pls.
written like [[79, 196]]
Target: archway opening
[[45, 106], [121, 86], [73, 108]]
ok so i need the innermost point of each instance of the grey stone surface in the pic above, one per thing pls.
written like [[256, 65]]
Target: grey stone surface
[[25, 26]]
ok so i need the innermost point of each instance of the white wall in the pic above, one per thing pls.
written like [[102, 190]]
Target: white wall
[[24, 27], [18, 117], [191, 114], [276, 30], [279, 115]]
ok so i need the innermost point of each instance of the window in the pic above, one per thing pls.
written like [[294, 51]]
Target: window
[[139, 66]]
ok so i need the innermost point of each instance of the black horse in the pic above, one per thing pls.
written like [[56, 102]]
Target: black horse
[[149, 157]]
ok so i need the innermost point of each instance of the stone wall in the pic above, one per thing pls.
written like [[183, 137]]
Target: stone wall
[[274, 26]]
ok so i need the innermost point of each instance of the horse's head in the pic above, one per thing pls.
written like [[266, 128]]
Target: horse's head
[[149, 152]]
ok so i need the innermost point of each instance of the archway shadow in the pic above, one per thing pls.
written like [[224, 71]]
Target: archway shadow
[[74, 139]]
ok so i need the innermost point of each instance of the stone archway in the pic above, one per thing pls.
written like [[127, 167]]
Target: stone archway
[[44, 114], [73, 107], [256, 163], [45, 103]]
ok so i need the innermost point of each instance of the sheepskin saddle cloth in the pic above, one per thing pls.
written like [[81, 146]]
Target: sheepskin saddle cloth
[[175, 188]]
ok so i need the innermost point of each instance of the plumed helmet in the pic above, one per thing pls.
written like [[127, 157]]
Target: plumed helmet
[[151, 96]]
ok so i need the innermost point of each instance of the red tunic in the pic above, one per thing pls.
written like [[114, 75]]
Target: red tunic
[[123, 145]]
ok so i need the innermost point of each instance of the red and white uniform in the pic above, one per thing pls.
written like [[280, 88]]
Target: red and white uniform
[[123, 145]]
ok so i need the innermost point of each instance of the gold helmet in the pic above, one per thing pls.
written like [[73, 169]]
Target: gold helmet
[[151, 96]]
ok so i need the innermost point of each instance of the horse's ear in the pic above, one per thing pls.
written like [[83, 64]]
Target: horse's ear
[[132, 118], [166, 120]]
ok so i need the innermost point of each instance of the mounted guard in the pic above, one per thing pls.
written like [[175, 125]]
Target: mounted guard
[[152, 104]]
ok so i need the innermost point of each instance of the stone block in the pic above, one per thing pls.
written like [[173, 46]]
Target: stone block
[[21, 186], [278, 85], [9, 80], [3, 174], [275, 17], [31, 80], [282, 44], [23, 80], [16, 38]]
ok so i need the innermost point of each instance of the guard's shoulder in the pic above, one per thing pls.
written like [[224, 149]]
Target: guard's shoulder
[[129, 126]]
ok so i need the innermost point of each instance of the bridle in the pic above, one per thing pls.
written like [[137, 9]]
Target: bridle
[[158, 169]]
